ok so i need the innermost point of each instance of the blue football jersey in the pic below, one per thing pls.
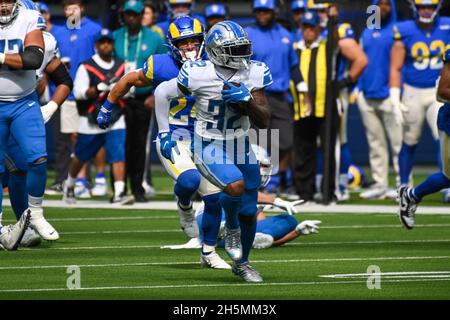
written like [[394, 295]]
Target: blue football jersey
[[163, 67], [424, 51]]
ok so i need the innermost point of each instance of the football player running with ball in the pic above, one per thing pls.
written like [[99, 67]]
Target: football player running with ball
[[229, 92]]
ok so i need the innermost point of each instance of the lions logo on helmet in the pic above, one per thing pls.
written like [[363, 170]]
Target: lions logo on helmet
[[186, 28], [355, 177], [8, 11], [426, 17], [227, 45]]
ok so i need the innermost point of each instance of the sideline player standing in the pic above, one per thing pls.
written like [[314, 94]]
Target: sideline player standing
[[411, 197], [418, 50], [22, 53]]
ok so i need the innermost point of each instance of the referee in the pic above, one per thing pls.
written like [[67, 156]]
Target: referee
[[309, 115]]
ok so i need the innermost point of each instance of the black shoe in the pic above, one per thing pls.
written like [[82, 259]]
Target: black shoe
[[56, 189], [123, 199], [140, 198]]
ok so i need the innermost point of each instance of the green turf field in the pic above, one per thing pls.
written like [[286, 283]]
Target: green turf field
[[119, 256]]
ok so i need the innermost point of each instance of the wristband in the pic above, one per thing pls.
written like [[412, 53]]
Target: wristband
[[108, 106], [302, 87]]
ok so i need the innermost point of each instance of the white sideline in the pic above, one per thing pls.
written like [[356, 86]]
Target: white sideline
[[171, 205], [187, 286], [144, 264], [405, 274]]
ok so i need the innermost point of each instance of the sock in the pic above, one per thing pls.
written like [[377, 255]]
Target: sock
[[432, 184], [186, 186], [17, 185], [319, 178], [119, 188], [247, 219], [405, 159], [346, 161], [1, 196], [212, 217], [36, 180], [100, 175], [1, 225], [230, 205], [319, 170], [207, 250], [248, 231], [71, 181], [83, 181]]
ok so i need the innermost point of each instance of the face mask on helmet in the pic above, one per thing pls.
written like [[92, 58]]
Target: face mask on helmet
[[8, 11], [188, 51], [239, 54], [426, 12]]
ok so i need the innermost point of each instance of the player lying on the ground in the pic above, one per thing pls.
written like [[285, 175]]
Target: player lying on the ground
[[270, 231], [185, 38], [94, 80], [21, 31], [411, 197], [16, 164]]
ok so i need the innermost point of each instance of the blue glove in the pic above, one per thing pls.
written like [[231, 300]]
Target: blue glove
[[104, 115], [443, 122], [236, 94], [166, 145]]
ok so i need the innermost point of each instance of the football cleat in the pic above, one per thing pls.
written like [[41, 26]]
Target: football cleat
[[446, 196], [123, 199], [246, 272], [56, 189], [100, 189], [343, 195], [233, 245], [187, 221], [262, 241], [373, 193], [13, 234], [391, 194], [81, 191], [41, 226], [214, 261], [69, 194], [30, 239], [407, 207], [149, 191]]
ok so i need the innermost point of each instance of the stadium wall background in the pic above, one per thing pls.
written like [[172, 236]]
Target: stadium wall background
[[352, 11]]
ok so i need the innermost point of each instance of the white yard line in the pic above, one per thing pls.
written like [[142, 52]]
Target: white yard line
[[231, 285], [144, 264], [171, 205], [389, 274]]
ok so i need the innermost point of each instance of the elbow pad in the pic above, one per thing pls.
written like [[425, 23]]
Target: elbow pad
[[61, 76], [32, 58]]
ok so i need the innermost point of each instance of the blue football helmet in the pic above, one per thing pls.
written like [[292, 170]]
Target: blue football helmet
[[8, 12], [416, 4], [298, 5], [216, 10], [173, 14], [227, 45], [186, 28]]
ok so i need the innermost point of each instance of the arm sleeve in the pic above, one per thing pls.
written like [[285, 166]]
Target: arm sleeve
[[164, 93], [81, 84]]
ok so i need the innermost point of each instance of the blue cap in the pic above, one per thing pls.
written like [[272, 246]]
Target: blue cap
[[43, 7], [214, 10], [264, 4], [310, 18], [105, 34], [134, 5], [299, 5]]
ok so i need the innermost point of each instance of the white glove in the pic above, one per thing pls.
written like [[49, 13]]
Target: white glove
[[48, 110], [308, 227], [398, 108], [289, 206]]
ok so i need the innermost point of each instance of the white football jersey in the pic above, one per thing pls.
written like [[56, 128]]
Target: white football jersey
[[17, 84], [214, 119], [51, 51]]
